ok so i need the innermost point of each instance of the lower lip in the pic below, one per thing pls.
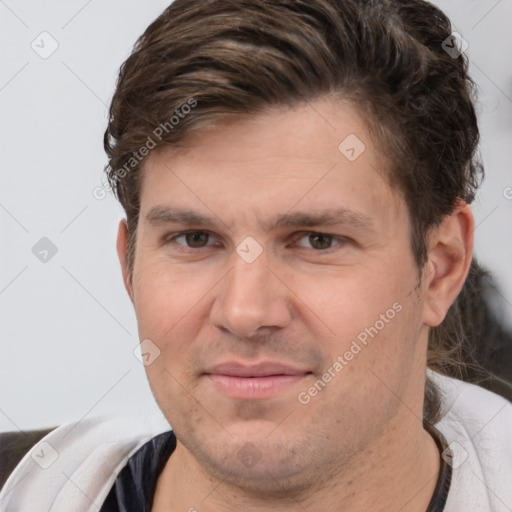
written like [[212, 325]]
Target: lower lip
[[254, 387]]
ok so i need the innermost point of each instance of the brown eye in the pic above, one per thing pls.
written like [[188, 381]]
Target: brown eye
[[196, 238], [320, 240], [193, 239]]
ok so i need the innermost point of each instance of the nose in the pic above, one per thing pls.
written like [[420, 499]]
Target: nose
[[251, 297]]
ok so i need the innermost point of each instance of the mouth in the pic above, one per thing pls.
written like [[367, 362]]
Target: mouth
[[255, 382]]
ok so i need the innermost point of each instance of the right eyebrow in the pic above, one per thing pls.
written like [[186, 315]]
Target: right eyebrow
[[161, 215]]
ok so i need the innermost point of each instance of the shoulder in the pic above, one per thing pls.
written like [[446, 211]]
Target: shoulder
[[74, 463], [477, 424], [473, 409]]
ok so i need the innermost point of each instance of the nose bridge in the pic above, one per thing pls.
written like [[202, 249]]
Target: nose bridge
[[250, 297], [246, 279]]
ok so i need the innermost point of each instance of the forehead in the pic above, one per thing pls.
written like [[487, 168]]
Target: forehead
[[311, 155]]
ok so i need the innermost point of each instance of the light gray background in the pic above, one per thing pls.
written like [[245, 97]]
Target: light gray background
[[68, 329]]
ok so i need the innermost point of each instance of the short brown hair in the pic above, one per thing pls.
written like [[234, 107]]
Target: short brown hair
[[238, 57]]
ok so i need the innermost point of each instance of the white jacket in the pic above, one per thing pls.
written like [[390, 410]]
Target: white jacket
[[73, 468]]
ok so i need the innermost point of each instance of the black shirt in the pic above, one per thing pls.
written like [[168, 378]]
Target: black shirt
[[135, 486]]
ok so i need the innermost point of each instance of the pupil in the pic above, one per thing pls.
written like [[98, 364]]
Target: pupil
[[320, 241], [196, 239]]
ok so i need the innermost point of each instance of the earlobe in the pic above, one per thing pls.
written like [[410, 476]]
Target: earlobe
[[449, 258], [122, 248]]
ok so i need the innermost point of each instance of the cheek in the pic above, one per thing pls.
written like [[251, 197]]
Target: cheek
[[347, 302], [165, 296], [373, 320], [171, 307]]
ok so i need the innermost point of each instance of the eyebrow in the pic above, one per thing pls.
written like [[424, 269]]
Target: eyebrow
[[161, 215]]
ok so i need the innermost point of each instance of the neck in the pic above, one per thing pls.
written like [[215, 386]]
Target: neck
[[398, 471]]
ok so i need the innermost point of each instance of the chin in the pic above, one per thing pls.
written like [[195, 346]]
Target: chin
[[269, 469]]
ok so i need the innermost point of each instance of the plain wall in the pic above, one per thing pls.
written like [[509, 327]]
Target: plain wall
[[68, 329]]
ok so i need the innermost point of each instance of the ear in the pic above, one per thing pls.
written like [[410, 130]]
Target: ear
[[122, 247], [450, 251]]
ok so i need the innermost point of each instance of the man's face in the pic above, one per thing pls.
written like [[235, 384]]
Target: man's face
[[288, 342]]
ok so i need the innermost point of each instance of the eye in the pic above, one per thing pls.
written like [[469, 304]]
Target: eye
[[320, 241], [191, 239]]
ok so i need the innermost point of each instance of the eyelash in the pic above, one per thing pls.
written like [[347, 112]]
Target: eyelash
[[296, 237]]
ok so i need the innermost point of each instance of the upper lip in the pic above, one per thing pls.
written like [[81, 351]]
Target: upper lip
[[265, 369]]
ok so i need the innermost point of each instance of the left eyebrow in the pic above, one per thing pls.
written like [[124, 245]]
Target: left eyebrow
[[329, 217]]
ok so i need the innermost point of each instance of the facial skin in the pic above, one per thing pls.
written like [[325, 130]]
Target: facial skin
[[358, 444]]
